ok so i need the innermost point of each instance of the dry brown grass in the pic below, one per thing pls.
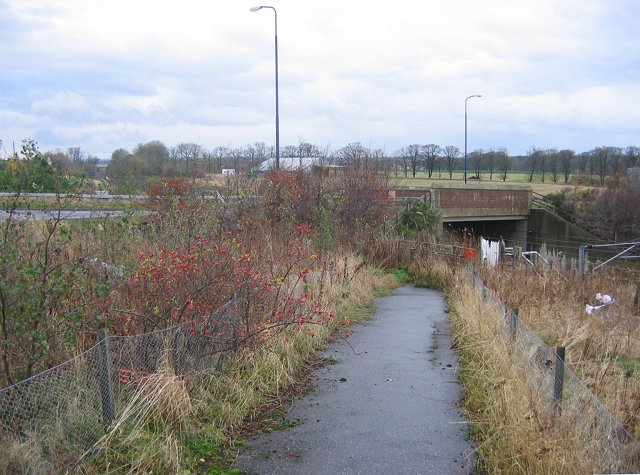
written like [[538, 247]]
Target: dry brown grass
[[603, 348], [146, 436], [513, 421]]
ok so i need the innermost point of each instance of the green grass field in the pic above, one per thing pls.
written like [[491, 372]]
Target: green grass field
[[513, 178]]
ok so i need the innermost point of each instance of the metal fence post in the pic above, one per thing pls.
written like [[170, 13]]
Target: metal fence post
[[513, 324], [558, 383], [105, 369]]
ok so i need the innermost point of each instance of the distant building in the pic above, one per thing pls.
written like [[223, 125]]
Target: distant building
[[290, 163], [101, 168], [228, 171], [315, 165]]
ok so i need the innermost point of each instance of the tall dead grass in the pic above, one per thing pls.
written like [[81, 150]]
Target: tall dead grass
[[515, 425], [602, 348]]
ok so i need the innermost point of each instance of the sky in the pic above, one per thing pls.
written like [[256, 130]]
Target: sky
[[103, 75]]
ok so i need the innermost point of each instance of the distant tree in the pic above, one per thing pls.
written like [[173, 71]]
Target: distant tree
[[151, 156], [582, 163], [616, 161], [186, 157], [504, 163], [632, 156], [251, 155], [404, 154], [431, 154], [413, 152], [221, 157], [476, 158], [491, 161], [566, 158], [533, 155], [553, 159], [59, 160], [451, 154], [353, 155], [289, 151], [601, 158], [74, 154]]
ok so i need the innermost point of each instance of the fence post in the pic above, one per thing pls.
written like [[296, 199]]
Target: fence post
[[513, 324], [558, 383], [581, 259], [104, 377]]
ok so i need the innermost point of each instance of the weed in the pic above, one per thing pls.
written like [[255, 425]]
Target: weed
[[401, 274]]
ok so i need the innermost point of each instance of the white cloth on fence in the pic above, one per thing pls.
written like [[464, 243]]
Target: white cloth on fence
[[490, 251]]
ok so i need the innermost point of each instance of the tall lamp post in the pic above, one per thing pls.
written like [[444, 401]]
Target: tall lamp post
[[465, 135], [255, 9]]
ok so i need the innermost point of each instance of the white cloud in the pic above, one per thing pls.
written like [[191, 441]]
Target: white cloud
[[104, 75]]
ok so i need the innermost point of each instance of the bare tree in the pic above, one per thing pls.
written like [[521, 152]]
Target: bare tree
[[553, 159], [250, 154], [616, 160], [534, 157], [632, 156], [566, 157], [402, 156], [582, 162], [490, 160], [413, 151], [504, 162], [354, 155], [476, 158], [74, 154], [220, 157], [601, 157], [431, 154], [451, 154], [289, 151]]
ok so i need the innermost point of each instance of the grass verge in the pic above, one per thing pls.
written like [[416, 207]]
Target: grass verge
[[513, 422], [193, 425]]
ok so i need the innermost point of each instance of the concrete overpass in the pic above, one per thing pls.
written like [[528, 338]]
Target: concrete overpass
[[490, 210]]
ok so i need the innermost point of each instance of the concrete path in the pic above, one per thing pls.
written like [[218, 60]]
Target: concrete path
[[388, 405]]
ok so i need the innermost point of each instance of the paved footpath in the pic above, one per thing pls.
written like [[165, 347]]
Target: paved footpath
[[388, 405]]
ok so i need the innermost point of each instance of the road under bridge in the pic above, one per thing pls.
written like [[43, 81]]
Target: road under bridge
[[489, 210]]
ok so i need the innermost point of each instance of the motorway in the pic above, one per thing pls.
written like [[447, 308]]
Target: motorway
[[65, 214]]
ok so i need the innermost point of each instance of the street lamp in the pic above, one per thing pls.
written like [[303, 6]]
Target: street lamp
[[255, 9], [465, 135]]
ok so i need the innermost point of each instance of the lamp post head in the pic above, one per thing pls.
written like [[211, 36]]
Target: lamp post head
[[255, 9]]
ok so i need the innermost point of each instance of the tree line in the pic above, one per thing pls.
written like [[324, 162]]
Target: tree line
[[133, 171]]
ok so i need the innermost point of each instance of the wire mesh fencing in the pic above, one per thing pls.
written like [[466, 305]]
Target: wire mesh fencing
[[571, 404], [61, 413]]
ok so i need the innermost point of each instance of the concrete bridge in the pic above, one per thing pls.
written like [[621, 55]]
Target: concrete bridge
[[490, 210]]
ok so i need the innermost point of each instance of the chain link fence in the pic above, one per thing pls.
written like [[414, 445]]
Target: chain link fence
[[62, 412], [573, 405]]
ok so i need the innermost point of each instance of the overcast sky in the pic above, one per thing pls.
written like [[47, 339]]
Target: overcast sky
[[103, 75]]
